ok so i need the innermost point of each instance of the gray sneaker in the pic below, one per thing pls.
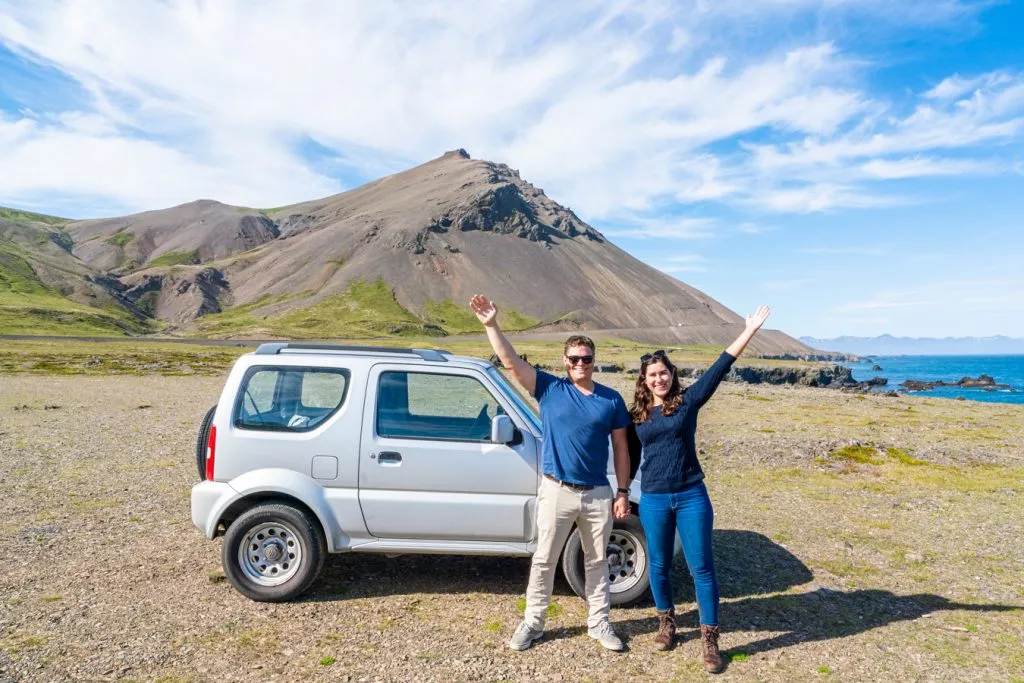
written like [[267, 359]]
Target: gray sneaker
[[524, 637], [605, 634]]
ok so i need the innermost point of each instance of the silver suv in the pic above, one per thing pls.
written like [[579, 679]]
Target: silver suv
[[316, 449]]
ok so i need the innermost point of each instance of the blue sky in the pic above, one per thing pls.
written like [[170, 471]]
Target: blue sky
[[856, 164]]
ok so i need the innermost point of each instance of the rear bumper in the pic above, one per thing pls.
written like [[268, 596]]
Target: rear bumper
[[209, 498]]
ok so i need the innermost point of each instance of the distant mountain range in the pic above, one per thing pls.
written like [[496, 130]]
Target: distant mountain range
[[399, 256], [888, 345]]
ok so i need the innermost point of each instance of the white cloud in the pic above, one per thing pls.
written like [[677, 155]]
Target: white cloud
[[749, 228], [950, 298], [920, 167], [956, 86], [683, 263], [845, 251], [638, 227], [780, 285], [82, 157], [615, 109]]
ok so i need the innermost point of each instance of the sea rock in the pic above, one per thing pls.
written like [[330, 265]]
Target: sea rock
[[981, 381], [876, 368]]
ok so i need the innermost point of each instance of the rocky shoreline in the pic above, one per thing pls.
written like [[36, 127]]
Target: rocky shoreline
[[982, 381]]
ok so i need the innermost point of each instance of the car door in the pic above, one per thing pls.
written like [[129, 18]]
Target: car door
[[428, 469]]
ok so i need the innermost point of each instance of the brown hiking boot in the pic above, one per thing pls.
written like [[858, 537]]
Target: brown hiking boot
[[666, 637], [709, 646]]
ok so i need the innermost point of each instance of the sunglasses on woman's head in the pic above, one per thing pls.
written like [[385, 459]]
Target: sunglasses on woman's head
[[576, 360], [660, 353]]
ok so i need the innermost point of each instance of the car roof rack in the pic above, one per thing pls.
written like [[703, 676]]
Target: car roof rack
[[273, 348]]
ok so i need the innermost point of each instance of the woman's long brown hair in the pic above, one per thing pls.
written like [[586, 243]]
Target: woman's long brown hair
[[643, 399]]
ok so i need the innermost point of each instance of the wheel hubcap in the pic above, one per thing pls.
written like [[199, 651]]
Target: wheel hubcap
[[270, 554], [627, 561]]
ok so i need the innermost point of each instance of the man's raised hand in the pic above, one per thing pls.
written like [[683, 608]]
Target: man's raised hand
[[485, 310]]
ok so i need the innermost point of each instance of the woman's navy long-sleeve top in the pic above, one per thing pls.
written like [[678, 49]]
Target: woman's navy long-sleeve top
[[669, 443]]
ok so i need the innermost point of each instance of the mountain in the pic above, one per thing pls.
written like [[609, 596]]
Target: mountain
[[45, 289], [397, 256], [888, 345]]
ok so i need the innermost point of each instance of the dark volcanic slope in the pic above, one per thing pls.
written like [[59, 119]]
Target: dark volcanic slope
[[439, 232], [456, 226]]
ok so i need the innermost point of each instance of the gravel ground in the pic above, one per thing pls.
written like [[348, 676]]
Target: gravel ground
[[830, 570]]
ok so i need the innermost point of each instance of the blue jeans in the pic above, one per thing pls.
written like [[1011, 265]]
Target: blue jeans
[[689, 513]]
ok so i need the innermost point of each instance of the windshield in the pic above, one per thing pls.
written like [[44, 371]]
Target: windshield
[[526, 409]]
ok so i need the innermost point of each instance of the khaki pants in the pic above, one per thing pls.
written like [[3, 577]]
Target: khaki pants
[[558, 508]]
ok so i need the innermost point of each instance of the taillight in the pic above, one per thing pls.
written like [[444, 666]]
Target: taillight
[[211, 449]]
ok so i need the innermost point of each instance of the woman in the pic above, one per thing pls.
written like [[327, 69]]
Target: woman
[[673, 497]]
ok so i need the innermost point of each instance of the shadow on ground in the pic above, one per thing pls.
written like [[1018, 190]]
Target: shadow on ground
[[748, 563], [818, 615]]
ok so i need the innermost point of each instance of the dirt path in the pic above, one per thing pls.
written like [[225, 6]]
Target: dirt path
[[831, 569]]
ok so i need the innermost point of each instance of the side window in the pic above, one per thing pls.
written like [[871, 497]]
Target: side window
[[289, 399], [416, 405]]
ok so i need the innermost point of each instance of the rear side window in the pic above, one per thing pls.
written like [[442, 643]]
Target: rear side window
[[433, 406], [289, 399]]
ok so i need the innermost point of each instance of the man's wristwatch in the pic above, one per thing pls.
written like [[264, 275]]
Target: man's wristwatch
[[624, 490]]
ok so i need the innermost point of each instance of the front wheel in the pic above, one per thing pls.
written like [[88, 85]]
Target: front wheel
[[628, 568], [273, 552]]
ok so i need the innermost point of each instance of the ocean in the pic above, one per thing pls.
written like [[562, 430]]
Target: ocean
[[1004, 369]]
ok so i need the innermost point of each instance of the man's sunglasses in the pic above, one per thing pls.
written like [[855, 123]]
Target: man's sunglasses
[[660, 353], [576, 360]]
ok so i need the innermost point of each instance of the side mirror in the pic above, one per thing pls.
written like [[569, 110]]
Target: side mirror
[[502, 429]]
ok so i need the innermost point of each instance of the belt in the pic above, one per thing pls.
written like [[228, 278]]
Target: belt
[[572, 487]]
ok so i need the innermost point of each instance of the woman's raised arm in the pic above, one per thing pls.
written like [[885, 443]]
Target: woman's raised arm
[[754, 323]]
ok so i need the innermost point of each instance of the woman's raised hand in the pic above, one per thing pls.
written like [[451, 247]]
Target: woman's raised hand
[[757, 318], [486, 311]]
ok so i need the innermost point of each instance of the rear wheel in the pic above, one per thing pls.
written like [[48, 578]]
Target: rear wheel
[[628, 568], [273, 552], [201, 441]]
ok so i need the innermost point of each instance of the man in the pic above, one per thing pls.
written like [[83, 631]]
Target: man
[[578, 415]]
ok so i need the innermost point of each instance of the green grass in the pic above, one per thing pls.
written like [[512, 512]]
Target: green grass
[[327, 661], [864, 455], [553, 610], [75, 357], [120, 239], [903, 457], [364, 310], [459, 319], [15, 215], [27, 306], [176, 258]]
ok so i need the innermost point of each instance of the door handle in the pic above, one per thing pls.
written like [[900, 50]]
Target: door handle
[[389, 458]]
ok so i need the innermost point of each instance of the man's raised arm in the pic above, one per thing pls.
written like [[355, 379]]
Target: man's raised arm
[[487, 313]]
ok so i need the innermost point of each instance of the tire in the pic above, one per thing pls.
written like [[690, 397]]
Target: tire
[[273, 552], [204, 434], [627, 549]]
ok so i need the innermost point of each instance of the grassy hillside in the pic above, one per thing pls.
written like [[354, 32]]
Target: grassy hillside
[[15, 215], [27, 306], [365, 309]]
